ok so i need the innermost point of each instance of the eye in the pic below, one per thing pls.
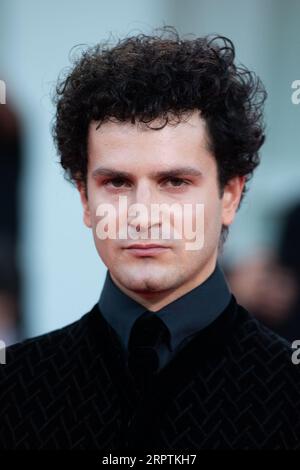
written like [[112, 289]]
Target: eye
[[116, 182], [177, 182]]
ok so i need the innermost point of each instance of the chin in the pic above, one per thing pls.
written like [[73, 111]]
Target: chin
[[140, 282]]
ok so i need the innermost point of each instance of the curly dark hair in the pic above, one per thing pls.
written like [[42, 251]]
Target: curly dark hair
[[144, 77]]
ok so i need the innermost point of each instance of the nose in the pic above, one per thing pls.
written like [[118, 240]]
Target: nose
[[142, 215]]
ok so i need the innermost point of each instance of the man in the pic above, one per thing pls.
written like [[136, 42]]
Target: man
[[167, 359]]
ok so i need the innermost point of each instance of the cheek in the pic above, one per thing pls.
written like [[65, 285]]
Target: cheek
[[106, 250], [212, 217]]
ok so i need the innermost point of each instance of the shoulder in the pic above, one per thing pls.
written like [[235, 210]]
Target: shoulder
[[45, 382], [36, 355], [260, 384], [254, 338], [266, 379]]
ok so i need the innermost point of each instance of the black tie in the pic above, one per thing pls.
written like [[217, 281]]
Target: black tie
[[147, 334]]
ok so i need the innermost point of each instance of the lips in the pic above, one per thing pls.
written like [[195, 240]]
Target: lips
[[145, 246], [151, 249]]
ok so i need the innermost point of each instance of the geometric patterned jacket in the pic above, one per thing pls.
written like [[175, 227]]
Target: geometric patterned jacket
[[233, 386]]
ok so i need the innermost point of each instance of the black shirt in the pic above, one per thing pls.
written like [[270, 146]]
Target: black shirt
[[184, 317]]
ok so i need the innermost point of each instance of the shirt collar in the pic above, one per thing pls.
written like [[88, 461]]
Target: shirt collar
[[184, 316]]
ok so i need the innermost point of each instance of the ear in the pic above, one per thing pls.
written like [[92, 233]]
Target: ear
[[85, 203], [231, 198]]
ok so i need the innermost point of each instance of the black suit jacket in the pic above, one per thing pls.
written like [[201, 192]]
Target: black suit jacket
[[233, 386]]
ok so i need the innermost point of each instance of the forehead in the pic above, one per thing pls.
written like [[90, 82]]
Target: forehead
[[139, 144]]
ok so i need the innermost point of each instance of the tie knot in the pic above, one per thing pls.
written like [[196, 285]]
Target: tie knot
[[147, 334], [148, 331]]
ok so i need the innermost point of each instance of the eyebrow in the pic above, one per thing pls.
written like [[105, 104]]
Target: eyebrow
[[172, 172]]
